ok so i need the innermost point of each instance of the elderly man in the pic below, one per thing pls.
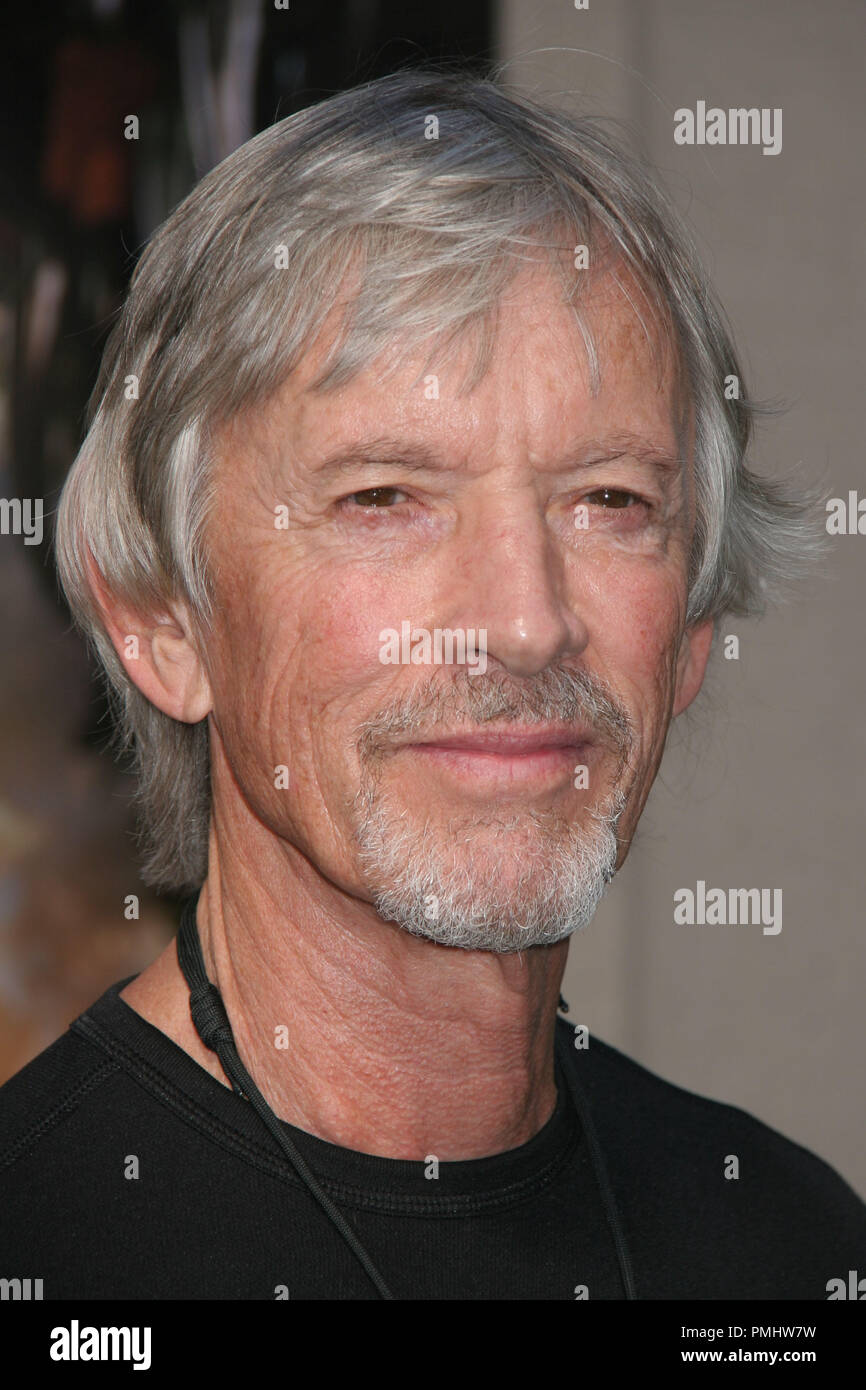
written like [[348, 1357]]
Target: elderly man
[[411, 495]]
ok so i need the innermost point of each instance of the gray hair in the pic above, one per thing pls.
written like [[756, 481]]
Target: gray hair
[[435, 228]]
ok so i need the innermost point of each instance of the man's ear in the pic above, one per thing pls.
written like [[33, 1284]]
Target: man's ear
[[158, 652], [692, 661]]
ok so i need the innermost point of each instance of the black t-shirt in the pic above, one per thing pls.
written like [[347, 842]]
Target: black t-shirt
[[128, 1172]]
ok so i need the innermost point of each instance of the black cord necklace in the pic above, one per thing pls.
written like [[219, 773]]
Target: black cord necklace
[[212, 1025]]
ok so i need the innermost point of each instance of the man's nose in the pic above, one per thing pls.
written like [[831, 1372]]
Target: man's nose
[[514, 583]]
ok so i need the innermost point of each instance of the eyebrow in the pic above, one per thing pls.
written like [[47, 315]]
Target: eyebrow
[[414, 456], [624, 445]]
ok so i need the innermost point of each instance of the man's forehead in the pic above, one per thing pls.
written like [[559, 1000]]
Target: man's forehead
[[539, 382]]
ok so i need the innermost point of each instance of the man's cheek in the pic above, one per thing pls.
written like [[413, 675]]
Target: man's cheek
[[641, 624], [636, 654], [355, 630]]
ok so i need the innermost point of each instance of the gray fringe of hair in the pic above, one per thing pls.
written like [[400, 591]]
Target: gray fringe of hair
[[435, 229]]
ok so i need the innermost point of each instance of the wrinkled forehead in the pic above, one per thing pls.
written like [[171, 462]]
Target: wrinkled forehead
[[606, 354]]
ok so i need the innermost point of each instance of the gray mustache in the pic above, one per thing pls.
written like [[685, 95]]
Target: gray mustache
[[557, 694]]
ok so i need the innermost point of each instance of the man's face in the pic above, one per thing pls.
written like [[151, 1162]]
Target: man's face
[[547, 523]]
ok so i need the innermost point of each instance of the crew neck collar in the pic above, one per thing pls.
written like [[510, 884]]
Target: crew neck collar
[[496, 1180]]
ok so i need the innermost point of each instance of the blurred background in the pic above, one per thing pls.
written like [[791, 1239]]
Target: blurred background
[[760, 786]]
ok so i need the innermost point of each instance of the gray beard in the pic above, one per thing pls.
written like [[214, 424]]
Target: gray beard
[[437, 882], [536, 876]]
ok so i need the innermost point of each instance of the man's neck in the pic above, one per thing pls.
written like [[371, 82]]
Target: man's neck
[[362, 1034]]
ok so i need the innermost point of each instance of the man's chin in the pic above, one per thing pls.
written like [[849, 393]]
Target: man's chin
[[497, 889], [499, 881], [500, 938]]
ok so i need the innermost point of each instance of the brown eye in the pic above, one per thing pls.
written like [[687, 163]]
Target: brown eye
[[613, 497], [375, 496]]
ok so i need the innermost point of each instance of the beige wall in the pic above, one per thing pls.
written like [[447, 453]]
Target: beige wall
[[761, 785]]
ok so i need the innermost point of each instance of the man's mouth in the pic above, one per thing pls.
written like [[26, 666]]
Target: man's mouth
[[506, 757]]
